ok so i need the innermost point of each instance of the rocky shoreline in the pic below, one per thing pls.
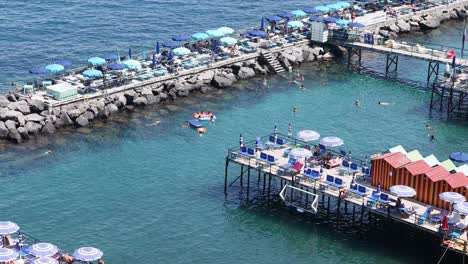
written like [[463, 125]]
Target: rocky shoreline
[[22, 118], [421, 22]]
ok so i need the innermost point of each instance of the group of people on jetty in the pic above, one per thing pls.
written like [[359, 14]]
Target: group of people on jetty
[[16, 249]]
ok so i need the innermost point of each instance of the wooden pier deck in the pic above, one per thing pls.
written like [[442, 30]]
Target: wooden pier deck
[[321, 187]]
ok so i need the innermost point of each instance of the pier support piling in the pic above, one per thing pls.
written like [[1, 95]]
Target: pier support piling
[[225, 175], [432, 71], [391, 66]]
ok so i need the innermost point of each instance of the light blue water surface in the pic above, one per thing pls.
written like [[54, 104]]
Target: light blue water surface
[[155, 193]]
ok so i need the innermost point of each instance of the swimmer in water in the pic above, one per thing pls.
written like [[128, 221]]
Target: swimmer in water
[[212, 120], [156, 122], [428, 127], [357, 103], [186, 124], [384, 103], [294, 109], [323, 83], [49, 150], [301, 87], [431, 137], [264, 82]]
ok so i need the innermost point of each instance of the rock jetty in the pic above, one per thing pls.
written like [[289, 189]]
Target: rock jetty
[[22, 118]]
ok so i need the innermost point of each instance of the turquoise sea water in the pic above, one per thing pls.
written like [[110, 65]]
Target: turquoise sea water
[[155, 193]]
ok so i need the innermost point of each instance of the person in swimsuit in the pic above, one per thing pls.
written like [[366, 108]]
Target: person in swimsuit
[[357, 103]]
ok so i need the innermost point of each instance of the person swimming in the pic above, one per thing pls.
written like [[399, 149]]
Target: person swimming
[[212, 120], [264, 82], [186, 124], [428, 127], [357, 103], [302, 87], [294, 109], [431, 137], [155, 123], [49, 150], [323, 83], [384, 103]]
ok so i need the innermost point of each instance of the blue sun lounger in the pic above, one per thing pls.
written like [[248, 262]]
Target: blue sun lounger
[[423, 218], [288, 165], [338, 183], [260, 144], [271, 159], [353, 167], [373, 198], [330, 179]]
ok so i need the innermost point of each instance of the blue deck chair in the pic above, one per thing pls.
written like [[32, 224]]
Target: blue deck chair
[[288, 165], [330, 179], [338, 183], [272, 139], [423, 218], [344, 164], [353, 188], [362, 190], [250, 152], [322, 148], [383, 198], [315, 175], [260, 144], [353, 167], [373, 198], [271, 159], [280, 142], [263, 157], [243, 150], [307, 172]]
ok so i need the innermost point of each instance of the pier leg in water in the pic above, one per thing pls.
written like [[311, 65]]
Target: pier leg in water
[[345, 206], [354, 212], [323, 200], [248, 181], [362, 213], [241, 176], [264, 182], [269, 185], [328, 206], [225, 175], [259, 176]]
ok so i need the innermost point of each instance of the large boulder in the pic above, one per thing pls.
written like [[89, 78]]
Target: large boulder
[[221, 81], [48, 128], [12, 115], [3, 130], [130, 95], [73, 113], [33, 128], [444, 16], [403, 26], [121, 101], [36, 106], [453, 14], [245, 73], [34, 118], [64, 120], [394, 28], [206, 76], [82, 121], [14, 136], [152, 99], [112, 108], [140, 101], [415, 18], [11, 97], [462, 14], [4, 101], [146, 91], [183, 93], [206, 89], [287, 59], [259, 69], [429, 23], [23, 132], [89, 115], [383, 33]]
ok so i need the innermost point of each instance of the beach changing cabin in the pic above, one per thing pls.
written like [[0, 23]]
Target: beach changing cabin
[[62, 91], [387, 168]]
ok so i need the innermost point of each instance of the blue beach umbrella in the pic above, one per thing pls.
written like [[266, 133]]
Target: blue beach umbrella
[[43, 249], [45, 260], [317, 19], [110, 57], [308, 135], [330, 19], [38, 70], [228, 41], [157, 47], [334, 7], [402, 191], [322, 9], [331, 141], [311, 10], [7, 255], [295, 24], [273, 18], [92, 73], [116, 66], [299, 13], [180, 38], [130, 53], [181, 51], [200, 36], [459, 157], [8, 228], [355, 25], [257, 33], [461, 207], [226, 30], [97, 61], [132, 64], [214, 33], [286, 15], [262, 24], [65, 63], [55, 68], [342, 22], [171, 44], [87, 254], [452, 197]]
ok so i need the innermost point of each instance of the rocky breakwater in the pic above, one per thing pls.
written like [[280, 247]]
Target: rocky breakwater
[[422, 22], [22, 118]]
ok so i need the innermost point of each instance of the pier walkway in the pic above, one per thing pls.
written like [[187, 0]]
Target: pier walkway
[[311, 188]]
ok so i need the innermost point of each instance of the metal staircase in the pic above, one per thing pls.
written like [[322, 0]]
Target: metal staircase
[[274, 64]]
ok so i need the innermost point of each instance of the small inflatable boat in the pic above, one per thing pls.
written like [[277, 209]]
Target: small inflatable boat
[[204, 116], [195, 123]]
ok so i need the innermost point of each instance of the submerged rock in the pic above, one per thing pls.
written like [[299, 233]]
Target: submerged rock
[[82, 121]]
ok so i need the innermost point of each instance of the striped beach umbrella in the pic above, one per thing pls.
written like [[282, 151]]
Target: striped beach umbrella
[[461, 207], [308, 135], [241, 141], [402, 191], [300, 153], [331, 141], [7, 254], [43, 249], [87, 254], [45, 260], [452, 197], [8, 228]]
